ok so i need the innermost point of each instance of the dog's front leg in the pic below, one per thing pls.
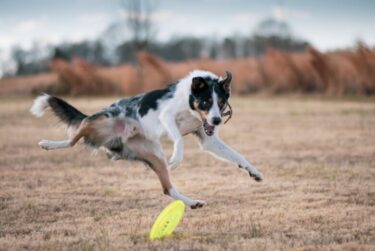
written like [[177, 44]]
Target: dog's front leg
[[169, 123], [214, 145]]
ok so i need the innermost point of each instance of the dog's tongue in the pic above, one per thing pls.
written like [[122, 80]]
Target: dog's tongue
[[208, 129]]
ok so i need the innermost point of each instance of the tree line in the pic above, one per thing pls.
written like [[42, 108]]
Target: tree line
[[269, 33]]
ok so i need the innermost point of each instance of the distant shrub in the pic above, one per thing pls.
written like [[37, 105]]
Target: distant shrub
[[347, 72], [80, 78]]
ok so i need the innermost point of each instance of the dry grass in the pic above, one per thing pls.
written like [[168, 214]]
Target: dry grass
[[350, 72], [318, 158], [19, 86], [80, 78]]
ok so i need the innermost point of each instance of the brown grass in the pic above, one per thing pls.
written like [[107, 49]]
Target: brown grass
[[318, 194], [350, 72], [80, 78], [26, 85]]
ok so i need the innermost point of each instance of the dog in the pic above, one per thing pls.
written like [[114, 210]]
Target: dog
[[131, 128]]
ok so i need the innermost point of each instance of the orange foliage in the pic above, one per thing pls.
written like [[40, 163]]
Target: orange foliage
[[80, 78], [311, 71]]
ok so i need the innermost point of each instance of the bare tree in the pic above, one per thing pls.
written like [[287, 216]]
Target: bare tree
[[138, 15]]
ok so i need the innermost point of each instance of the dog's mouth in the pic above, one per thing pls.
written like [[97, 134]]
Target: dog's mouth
[[208, 129]]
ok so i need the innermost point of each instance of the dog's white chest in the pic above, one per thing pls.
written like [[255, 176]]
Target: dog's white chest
[[187, 123]]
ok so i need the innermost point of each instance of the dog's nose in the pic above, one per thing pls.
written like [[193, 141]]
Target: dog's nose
[[216, 120]]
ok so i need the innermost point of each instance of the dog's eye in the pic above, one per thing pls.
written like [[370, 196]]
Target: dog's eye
[[221, 103], [206, 104]]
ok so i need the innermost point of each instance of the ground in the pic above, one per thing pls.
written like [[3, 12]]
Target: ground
[[317, 156]]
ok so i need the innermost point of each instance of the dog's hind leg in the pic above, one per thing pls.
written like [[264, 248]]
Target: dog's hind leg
[[58, 144], [52, 144], [153, 157], [160, 168]]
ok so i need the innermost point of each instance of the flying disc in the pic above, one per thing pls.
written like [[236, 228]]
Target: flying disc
[[167, 220]]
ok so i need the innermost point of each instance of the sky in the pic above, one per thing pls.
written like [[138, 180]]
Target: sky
[[329, 24]]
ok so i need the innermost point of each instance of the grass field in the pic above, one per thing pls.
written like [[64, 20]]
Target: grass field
[[317, 157]]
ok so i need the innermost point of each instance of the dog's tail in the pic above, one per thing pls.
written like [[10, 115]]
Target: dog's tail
[[65, 112]]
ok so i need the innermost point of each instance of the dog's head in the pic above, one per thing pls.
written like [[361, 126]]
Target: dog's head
[[209, 97]]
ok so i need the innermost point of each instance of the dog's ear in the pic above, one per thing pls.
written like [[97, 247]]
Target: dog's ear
[[198, 84], [225, 83]]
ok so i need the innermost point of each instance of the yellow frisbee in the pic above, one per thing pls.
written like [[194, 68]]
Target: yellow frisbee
[[167, 220]]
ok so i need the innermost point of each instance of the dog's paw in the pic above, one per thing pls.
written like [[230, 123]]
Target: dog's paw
[[197, 204], [44, 144], [253, 172], [173, 164], [175, 161], [256, 175]]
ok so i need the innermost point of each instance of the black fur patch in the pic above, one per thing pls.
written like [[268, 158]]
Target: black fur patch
[[150, 99], [142, 103]]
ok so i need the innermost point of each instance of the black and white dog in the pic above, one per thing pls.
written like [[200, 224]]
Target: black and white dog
[[131, 128]]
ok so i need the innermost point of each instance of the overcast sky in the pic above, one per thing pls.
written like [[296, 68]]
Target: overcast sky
[[326, 24]]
